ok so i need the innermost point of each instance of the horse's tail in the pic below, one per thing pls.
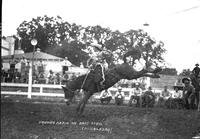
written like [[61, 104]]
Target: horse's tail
[[132, 52]]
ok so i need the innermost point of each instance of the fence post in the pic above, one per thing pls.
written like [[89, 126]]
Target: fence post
[[41, 89], [30, 83]]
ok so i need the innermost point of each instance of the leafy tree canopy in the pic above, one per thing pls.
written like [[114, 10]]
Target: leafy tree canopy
[[62, 39], [186, 72], [169, 71]]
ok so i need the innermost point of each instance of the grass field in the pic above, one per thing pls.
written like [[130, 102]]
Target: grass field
[[54, 120]]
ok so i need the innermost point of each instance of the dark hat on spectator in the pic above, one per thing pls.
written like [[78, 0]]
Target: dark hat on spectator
[[197, 64], [150, 88], [185, 79]]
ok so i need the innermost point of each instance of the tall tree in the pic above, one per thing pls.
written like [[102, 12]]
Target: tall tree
[[49, 31], [185, 72], [152, 51], [169, 71], [52, 33]]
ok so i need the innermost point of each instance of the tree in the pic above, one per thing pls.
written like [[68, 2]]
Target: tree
[[186, 72], [64, 39], [49, 32], [169, 71], [152, 51], [72, 50]]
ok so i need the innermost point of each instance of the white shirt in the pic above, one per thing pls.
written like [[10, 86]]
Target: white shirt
[[66, 63], [105, 94], [137, 92], [119, 95], [178, 94]]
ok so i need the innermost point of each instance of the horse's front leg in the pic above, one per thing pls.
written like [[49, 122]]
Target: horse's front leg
[[84, 102], [80, 103]]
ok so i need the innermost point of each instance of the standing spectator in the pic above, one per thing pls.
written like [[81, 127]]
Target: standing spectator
[[81, 65], [24, 63], [105, 97], [136, 95], [196, 70], [13, 62], [66, 64], [119, 97], [40, 67], [188, 94]]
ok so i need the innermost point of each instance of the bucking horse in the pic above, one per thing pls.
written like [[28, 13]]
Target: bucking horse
[[87, 83]]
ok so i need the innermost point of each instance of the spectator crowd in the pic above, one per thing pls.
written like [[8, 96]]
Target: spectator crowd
[[14, 75]]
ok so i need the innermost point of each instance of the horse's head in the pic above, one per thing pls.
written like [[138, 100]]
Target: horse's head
[[69, 94]]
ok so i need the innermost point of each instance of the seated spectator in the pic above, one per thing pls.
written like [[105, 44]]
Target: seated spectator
[[105, 97], [17, 76], [188, 94], [148, 98], [2, 75], [136, 95], [165, 95], [119, 97], [57, 78], [65, 78], [177, 93], [10, 77], [41, 78], [73, 76], [50, 77]]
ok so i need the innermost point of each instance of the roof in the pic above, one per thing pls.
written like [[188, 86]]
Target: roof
[[37, 56]]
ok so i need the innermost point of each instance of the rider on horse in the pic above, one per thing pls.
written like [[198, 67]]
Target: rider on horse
[[97, 64]]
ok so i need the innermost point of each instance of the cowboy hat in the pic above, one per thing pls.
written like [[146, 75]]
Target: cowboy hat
[[97, 46], [185, 79], [197, 64]]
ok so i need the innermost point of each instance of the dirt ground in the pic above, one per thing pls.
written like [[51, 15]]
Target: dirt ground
[[26, 119]]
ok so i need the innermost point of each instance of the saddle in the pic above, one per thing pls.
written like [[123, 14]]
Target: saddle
[[98, 72]]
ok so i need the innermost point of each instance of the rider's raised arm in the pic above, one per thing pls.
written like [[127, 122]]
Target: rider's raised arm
[[88, 62]]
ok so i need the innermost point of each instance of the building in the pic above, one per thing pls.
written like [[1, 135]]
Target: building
[[7, 45], [49, 61]]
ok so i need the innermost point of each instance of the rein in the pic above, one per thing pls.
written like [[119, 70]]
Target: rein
[[85, 79]]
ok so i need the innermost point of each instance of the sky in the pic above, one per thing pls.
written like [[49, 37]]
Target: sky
[[175, 22]]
